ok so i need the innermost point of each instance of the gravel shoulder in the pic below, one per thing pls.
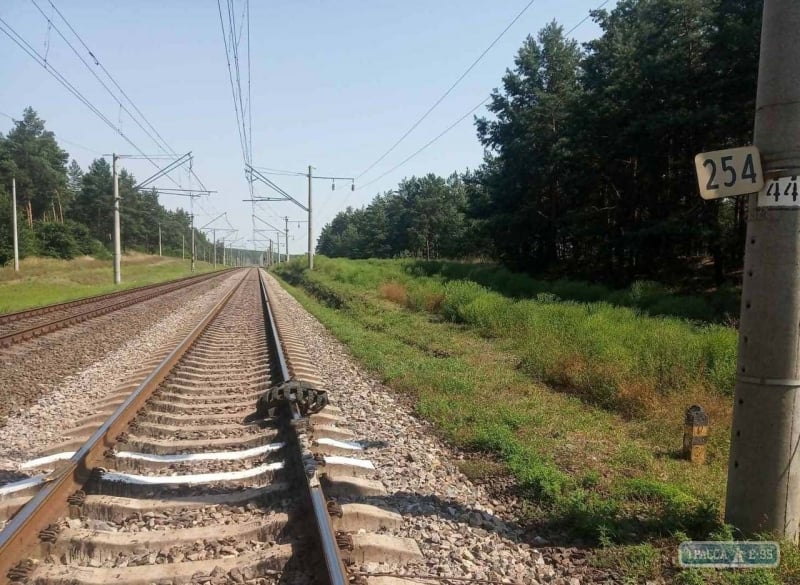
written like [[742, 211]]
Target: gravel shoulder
[[462, 529], [50, 382]]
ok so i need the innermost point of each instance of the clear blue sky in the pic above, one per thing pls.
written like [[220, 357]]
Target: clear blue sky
[[334, 84]]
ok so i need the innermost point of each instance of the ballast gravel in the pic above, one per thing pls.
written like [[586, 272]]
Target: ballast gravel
[[51, 382], [462, 532]]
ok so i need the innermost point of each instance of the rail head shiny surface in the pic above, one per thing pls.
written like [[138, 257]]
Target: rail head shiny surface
[[273, 329], [336, 571], [20, 536]]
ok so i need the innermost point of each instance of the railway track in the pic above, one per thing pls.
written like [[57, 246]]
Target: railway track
[[222, 466], [24, 325]]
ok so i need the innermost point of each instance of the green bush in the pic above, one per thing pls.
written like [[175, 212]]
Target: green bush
[[56, 240], [614, 356], [644, 295], [427, 296], [27, 244], [611, 355], [87, 245], [644, 292], [457, 295]]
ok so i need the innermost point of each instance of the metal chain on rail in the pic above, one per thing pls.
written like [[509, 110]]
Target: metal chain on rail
[[344, 540], [307, 398], [335, 509], [50, 534], [21, 571], [77, 498]]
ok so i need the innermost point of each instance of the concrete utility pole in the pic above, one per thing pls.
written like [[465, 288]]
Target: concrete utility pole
[[286, 230], [183, 247], [764, 472], [255, 174], [192, 266], [14, 219], [214, 231], [310, 228], [117, 237], [159, 238]]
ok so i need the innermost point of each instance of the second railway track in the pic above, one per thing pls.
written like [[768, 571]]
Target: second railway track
[[218, 468], [24, 325]]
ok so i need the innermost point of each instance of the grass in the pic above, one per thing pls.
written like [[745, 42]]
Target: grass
[[582, 403], [43, 281], [720, 305]]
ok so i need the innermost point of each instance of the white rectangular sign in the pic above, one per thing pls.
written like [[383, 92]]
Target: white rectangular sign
[[730, 172], [780, 192]]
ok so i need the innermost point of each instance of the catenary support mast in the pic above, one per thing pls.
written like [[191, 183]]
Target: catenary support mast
[[764, 472]]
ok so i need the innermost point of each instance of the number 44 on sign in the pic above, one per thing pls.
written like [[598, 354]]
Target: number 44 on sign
[[780, 192], [737, 171]]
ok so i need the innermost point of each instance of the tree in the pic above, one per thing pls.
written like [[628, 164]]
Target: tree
[[425, 217], [70, 211], [27, 240], [31, 155], [74, 179], [93, 205], [527, 152], [588, 170]]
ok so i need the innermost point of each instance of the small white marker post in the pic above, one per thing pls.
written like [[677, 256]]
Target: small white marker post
[[14, 219], [117, 237]]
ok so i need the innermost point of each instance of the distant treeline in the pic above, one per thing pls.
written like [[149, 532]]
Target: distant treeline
[[64, 211], [588, 155]]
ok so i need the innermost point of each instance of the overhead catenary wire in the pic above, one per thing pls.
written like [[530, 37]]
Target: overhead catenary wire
[[243, 109], [285, 172], [50, 25], [96, 76], [161, 142], [231, 51], [421, 149], [60, 138], [235, 48], [110, 77], [12, 34], [427, 144], [585, 18], [449, 90], [464, 116], [249, 90]]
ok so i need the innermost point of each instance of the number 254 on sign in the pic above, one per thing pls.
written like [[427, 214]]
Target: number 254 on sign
[[725, 173]]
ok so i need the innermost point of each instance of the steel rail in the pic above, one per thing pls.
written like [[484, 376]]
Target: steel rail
[[26, 313], [20, 538], [337, 573], [154, 290]]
